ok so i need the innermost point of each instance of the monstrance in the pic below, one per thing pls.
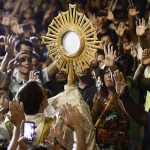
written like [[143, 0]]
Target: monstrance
[[72, 42]]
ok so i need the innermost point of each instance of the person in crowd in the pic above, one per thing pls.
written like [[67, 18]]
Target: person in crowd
[[22, 23], [24, 65], [57, 83], [87, 86], [139, 76], [77, 127], [5, 98], [22, 45], [33, 95], [109, 117], [134, 132], [100, 58], [63, 93], [138, 114]]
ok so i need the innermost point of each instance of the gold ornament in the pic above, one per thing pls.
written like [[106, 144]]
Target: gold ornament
[[72, 42]]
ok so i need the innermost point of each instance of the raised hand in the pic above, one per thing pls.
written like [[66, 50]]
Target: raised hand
[[34, 40], [134, 52], [72, 114], [97, 101], [11, 66], [33, 76], [22, 141], [120, 83], [58, 137], [120, 30], [33, 30], [132, 11], [126, 45], [145, 60], [110, 56], [47, 14], [17, 112], [25, 5], [9, 45], [6, 19], [140, 27], [110, 15], [95, 21], [16, 28]]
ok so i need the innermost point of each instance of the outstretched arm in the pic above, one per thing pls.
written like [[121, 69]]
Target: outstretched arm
[[96, 107], [120, 32], [140, 31], [134, 54], [22, 141], [9, 44], [110, 56], [17, 115], [145, 60], [74, 121], [132, 14], [51, 69], [133, 109]]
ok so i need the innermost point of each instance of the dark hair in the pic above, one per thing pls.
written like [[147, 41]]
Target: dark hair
[[23, 52], [105, 34], [55, 87], [100, 52], [129, 60], [20, 42], [7, 90], [120, 67], [38, 147], [2, 90], [35, 55], [104, 89], [31, 95], [2, 30], [146, 31], [3, 148]]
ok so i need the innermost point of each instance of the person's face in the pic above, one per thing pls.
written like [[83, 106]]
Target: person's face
[[119, 13], [27, 34], [98, 4], [4, 100], [100, 60], [85, 73], [107, 78], [28, 14], [36, 63], [8, 5], [61, 76], [41, 46], [24, 47], [106, 40], [25, 64]]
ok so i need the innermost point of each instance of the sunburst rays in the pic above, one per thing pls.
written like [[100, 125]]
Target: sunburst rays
[[72, 20]]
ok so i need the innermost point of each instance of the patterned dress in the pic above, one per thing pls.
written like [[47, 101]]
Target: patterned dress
[[112, 129]]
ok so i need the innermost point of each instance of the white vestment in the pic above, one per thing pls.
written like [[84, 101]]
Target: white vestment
[[72, 96]]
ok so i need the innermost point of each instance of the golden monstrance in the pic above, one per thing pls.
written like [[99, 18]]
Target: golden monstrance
[[72, 42]]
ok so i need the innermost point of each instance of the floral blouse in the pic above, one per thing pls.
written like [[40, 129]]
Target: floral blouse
[[112, 129]]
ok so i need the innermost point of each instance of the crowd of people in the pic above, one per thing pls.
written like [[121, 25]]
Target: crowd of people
[[111, 115]]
